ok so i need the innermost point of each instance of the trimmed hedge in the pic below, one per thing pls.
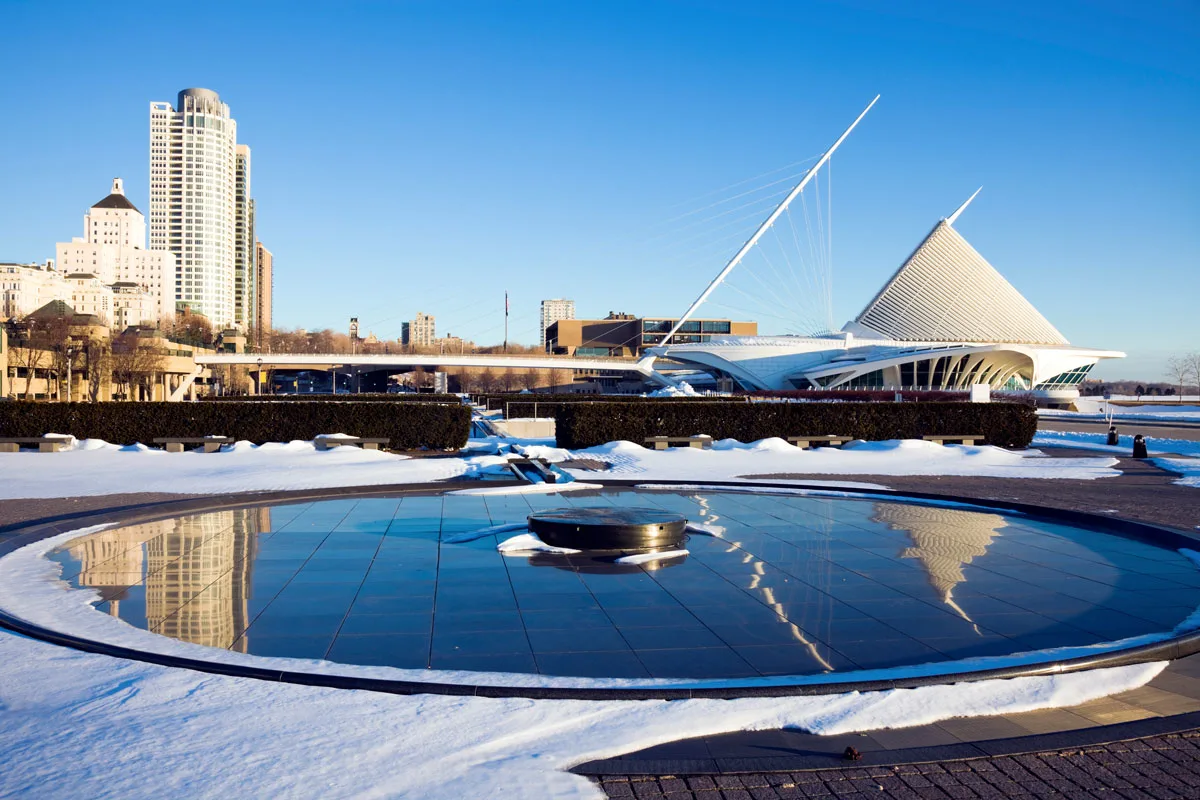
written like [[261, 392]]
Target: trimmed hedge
[[373, 397], [867, 395], [408, 426], [497, 402], [580, 425]]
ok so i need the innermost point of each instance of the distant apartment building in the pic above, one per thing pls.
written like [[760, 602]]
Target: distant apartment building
[[264, 264], [112, 248], [418, 333], [24, 288], [243, 241], [453, 344], [193, 200], [627, 335], [552, 312], [89, 295], [106, 273]]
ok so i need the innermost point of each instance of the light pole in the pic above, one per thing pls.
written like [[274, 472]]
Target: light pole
[[259, 377], [70, 358]]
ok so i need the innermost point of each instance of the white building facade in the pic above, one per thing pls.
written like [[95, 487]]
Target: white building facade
[[24, 288], [112, 249], [89, 295], [552, 312], [945, 320], [193, 199], [131, 306]]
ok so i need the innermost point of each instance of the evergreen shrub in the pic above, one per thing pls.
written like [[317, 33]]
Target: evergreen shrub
[[408, 426], [580, 425]]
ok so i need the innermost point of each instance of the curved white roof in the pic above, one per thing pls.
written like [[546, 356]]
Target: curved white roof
[[947, 292]]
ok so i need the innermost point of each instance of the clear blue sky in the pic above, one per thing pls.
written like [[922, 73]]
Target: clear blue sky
[[429, 155]]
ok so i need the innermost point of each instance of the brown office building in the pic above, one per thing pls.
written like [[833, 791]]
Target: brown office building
[[627, 335], [263, 282]]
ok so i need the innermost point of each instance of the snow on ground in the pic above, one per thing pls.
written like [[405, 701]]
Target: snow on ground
[[1189, 468], [84, 725], [729, 460], [528, 488], [1092, 408], [681, 389], [1096, 441], [94, 467]]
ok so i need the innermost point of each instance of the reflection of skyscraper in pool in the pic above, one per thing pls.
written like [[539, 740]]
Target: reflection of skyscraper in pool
[[198, 577], [112, 561], [944, 540]]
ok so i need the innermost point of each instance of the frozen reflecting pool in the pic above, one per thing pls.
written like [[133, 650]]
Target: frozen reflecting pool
[[775, 584]]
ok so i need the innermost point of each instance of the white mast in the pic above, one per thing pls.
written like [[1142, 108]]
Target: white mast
[[733, 262], [950, 219]]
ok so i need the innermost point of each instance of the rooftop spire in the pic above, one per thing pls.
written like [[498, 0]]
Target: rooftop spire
[[962, 208]]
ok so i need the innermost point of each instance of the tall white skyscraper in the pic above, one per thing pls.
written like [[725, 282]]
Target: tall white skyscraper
[[553, 311], [193, 199], [243, 241]]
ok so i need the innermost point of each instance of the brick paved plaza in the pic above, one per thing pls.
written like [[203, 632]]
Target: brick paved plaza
[[1156, 767]]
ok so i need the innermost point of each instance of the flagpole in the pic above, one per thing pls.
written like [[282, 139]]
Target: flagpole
[[506, 322]]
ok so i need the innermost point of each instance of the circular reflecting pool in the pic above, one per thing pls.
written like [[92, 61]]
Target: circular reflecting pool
[[772, 584]]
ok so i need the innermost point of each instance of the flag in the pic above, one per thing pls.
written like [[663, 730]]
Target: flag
[[506, 304]]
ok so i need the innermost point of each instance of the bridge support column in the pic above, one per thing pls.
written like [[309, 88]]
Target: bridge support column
[[186, 386]]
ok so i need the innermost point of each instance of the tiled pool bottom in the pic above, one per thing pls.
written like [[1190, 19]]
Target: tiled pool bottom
[[786, 584]]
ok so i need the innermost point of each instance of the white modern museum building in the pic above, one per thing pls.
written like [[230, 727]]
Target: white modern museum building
[[945, 320]]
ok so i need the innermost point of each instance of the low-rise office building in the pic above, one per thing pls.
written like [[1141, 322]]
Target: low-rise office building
[[625, 335]]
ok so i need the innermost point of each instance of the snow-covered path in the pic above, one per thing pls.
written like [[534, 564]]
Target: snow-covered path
[[94, 467], [82, 725]]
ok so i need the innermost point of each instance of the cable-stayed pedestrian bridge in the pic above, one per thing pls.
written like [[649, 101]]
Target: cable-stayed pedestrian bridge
[[374, 362]]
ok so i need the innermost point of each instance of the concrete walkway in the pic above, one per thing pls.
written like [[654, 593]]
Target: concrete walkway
[[1139, 744]]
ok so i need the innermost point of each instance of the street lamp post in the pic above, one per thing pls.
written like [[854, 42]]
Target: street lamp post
[[70, 358], [259, 376]]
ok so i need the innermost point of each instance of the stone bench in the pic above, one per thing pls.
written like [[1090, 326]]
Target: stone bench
[[330, 442], [942, 438], [663, 442], [175, 444], [46, 444], [807, 442]]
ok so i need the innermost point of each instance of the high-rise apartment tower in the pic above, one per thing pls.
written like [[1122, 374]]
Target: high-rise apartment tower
[[553, 311], [264, 264], [193, 199], [243, 241]]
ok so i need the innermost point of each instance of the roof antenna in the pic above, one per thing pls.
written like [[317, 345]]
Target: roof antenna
[[962, 208]]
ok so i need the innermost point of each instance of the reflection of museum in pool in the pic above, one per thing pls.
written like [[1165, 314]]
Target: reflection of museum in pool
[[780, 584]]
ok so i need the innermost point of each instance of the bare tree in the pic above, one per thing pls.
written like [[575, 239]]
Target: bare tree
[[190, 327], [527, 379], [63, 350], [1179, 368], [99, 367], [135, 363], [1193, 362], [560, 377], [487, 381], [42, 344], [29, 356]]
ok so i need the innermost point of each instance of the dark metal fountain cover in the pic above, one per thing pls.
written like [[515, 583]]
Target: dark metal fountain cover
[[633, 529]]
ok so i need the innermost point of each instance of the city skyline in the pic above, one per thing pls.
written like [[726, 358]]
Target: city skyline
[[1074, 125]]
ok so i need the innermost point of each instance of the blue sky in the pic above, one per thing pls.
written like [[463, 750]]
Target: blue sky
[[428, 156]]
